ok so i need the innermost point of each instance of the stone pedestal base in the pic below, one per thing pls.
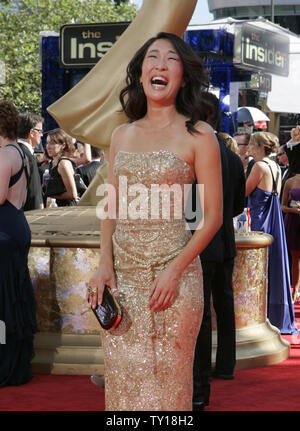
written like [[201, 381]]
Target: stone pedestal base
[[68, 354], [256, 346], [257, 341], [64, 254]]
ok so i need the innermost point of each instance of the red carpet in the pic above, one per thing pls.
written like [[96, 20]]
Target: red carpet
[[272, 388]]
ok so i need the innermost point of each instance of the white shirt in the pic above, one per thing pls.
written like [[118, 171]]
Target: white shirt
[[285, 173], [291, 143], [27, 145]]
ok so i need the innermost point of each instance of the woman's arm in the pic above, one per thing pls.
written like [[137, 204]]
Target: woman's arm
[[207, 164], [254, 178], [105, 275], [108, 225], [66, 171], [5, 173], [208, 170], [285, 199]]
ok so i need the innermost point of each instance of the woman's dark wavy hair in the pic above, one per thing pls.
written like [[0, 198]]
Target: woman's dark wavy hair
[[188, 102], [9, 120]]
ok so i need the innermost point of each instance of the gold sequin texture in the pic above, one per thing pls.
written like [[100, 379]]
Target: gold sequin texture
[[150, 366]]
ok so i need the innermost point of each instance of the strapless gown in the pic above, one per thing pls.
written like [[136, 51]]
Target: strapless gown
[[266, 216], [150, 366], [292, 223]]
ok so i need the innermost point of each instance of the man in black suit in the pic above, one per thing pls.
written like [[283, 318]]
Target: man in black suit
[[292, 149], [283, 162], [88, 171], [243, 140], [217, 263], [29, 136]]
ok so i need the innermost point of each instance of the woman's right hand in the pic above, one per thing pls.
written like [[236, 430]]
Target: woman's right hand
[[296, 208], [104, 275]]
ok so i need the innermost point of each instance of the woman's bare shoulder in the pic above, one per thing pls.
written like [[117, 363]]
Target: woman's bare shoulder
[[123, 130], [118, 136], [123, 136], [203, 127], [205, 139], [260, 164], [293, 181], [119, 130], [206, 134], [9, 151], [289, 182], [9, 156], [65, 163]]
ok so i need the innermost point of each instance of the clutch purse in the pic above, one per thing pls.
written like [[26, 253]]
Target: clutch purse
[[109, 313], [55, 186], [80, 185]]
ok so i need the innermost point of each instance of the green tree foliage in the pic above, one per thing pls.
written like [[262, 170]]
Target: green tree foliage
[[20, 25]]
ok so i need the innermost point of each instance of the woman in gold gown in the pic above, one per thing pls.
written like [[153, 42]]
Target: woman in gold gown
[[147, 254]]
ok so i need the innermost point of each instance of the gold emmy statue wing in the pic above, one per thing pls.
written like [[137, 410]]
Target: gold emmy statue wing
[[90, 110]]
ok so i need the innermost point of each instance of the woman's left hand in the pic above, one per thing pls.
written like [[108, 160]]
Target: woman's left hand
[[164, 290]]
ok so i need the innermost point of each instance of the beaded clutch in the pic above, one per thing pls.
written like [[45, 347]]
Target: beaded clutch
[[109, 313]]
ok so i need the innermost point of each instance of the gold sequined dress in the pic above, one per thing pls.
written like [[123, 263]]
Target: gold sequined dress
[[150, 366]]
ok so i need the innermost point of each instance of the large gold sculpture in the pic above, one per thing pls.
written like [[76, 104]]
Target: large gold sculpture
[[90, 110]]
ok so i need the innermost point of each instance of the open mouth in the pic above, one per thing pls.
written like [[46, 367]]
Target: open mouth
[[159, 82]]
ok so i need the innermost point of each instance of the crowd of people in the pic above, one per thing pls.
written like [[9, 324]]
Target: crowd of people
[[61, 158], [23, 187], [173, 137], [273, 183]]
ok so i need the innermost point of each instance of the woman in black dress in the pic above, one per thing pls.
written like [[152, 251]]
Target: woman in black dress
[[59, 146], [17, 303]]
